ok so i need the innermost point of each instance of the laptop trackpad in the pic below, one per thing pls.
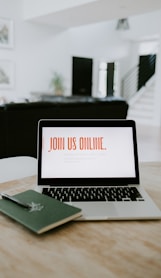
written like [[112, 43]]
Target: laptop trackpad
[[96, 210]]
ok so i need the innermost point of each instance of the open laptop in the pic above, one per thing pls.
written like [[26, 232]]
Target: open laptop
[[93, 165]]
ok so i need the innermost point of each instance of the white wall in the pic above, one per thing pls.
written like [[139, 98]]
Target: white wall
[[38, 51]]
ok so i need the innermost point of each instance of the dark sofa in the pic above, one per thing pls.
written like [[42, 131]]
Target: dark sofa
[[18, 121]]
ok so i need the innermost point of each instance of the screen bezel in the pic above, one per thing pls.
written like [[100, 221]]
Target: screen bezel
[[86, 181]]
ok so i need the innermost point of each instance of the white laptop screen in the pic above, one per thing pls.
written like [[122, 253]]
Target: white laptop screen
[[87, 152]]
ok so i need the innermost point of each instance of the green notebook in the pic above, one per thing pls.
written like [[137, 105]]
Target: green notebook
[[46, 213]]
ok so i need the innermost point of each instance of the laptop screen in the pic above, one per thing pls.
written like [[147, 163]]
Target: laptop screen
[[79, 151]]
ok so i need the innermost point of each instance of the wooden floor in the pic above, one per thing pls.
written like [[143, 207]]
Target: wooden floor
[[149, 142]]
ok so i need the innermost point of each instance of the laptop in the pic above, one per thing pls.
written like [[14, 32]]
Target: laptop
[[93, 165]]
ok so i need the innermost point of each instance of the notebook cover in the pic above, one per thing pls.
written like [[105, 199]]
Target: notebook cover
[[49, 212]]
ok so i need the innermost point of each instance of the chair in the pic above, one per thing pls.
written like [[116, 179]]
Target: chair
[[18, 167]]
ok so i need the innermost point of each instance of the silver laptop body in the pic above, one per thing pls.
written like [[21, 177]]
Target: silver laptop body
[[93, 165]]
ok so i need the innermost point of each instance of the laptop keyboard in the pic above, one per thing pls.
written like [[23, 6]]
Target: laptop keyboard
[[111, 194]]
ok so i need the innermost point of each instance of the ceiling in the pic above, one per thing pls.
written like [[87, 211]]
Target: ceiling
[[97, 11]]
